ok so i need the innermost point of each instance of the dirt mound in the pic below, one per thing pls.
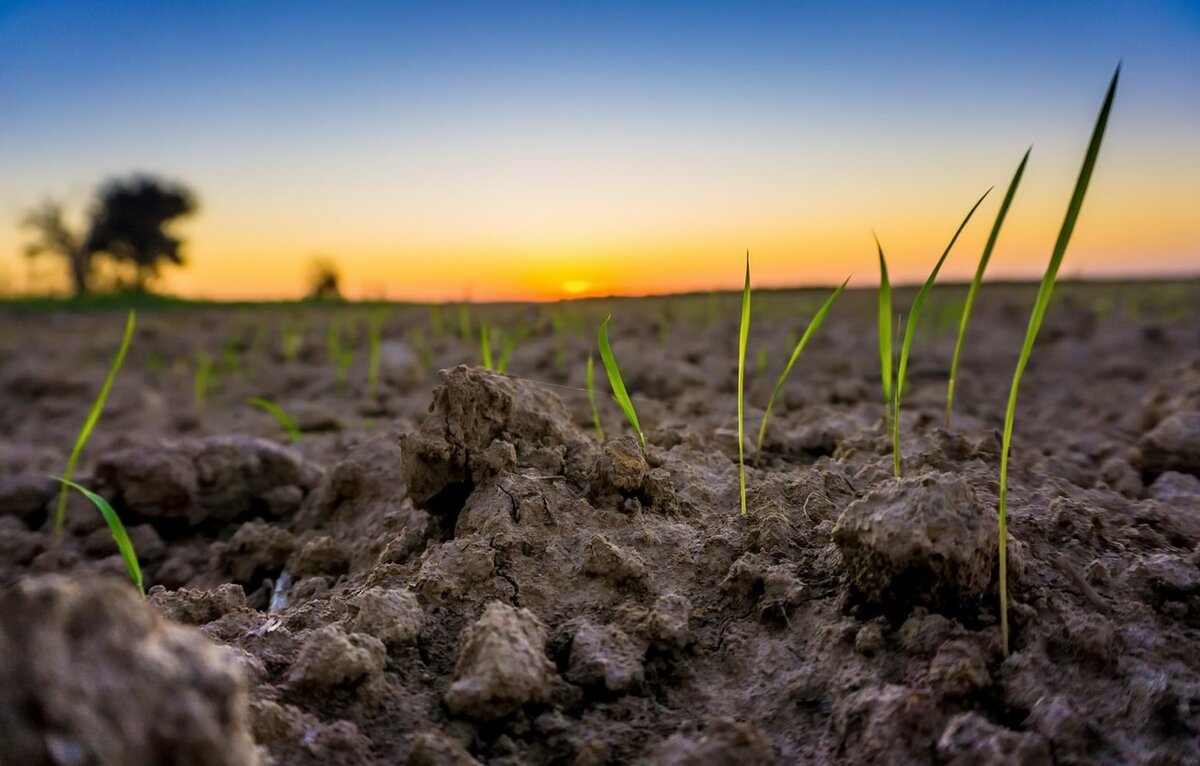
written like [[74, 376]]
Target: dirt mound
[[93, 675]]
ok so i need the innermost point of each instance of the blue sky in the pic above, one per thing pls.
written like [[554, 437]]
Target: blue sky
[[562, 133]]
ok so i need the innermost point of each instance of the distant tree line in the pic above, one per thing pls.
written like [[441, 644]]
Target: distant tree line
[[127, 223]]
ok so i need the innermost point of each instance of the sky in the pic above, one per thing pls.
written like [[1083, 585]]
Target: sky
[[540, 150]]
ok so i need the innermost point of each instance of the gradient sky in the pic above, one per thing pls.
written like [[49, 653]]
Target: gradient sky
[[533, 150]]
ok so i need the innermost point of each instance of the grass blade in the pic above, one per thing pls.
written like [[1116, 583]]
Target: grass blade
[[506, 352], [591, 392], [978, 280], [485, 346], [809, 331], [743, 336], [119, 535], [910, 332], [887, 357], [1035, 323], [89, 424], [274, 410], [614, 380]]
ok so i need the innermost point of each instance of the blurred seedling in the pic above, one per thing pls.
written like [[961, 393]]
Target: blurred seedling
[[616, 383], [422, 347], [814, 325], [1045, 290], [485, 347], [760, 362], [977, 280], [436, 323], [201, 378], [506, 351], [285, 420], [89, 424], [291, 341], [591, 394], [910, 328], [374, 342]]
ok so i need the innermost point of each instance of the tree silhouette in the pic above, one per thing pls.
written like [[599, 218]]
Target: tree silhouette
[[54, 237], [323, 280], [129, 220]]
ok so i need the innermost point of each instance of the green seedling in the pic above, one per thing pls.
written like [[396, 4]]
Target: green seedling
[[977, 280], [506, 352], [275, 411], [817, 320], [374, 342], [743, 337], [485, 346], [910, 331], [292, 340], [333, 341], [119, 535], [591, 393], [424, 350], [1035, 323], [616, 383], [760, 362], [89, 424], [436, 325], [886, 356], [342, 370], [201, 377]]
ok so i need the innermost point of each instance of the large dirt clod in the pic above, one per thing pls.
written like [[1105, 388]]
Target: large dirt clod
[[91, 674], [448, 455], [919, 541]]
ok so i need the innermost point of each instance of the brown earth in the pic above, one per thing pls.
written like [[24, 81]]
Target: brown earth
[[454, 569]]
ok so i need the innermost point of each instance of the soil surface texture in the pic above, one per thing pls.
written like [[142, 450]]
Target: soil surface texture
[[452, 567]]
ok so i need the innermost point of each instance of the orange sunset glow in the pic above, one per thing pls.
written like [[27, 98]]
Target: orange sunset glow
[[563, 171]]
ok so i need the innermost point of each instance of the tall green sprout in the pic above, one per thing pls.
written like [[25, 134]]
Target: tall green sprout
[[614, 380], [743, 337], [886, 356], [978, 280], [1035, 323], [910, 332], [89, 424], [591, 393], [812, 328]]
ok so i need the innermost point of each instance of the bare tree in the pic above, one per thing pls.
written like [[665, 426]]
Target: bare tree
[[55, 237]]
